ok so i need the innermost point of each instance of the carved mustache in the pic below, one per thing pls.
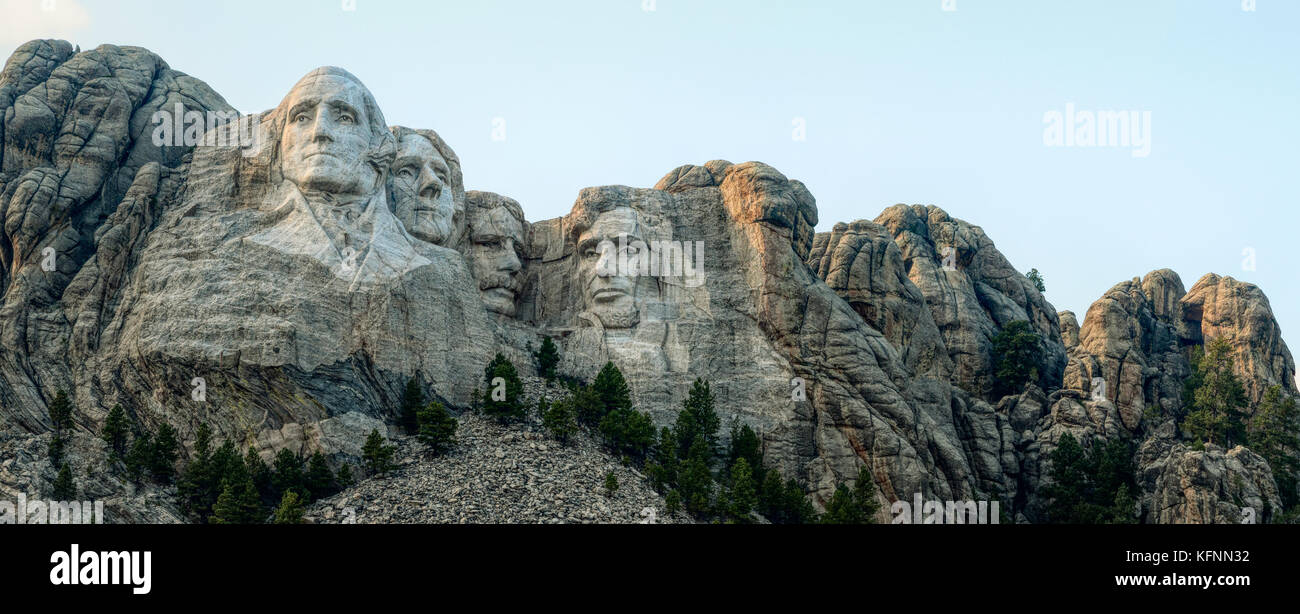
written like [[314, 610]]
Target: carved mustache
[[499, 280]]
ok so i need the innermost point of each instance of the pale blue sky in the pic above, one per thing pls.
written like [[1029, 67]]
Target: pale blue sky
[[903, 102]]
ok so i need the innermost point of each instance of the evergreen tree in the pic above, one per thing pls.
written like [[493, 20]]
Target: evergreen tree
[[672, 502], [140, 457], [1218, 401], [663, 472], [344, 477], [612, 389], [319, 478], [1036, 278], [61, 412], [1091, 487], [587, 406], [745, 444], [695, 481], [412, 402], [162, 461], [628, 432], [1275, 435], [503, 402], [287, 474], [238, 502], [611, 484], [742, 495], [64, 489], [853, 506], [437, 428], [55, 450], [290, 510], [377, 456], [261, 474], [1016, 355], [115, 431], [197, 487], [697, 420], [225, 462], [548, 357], [561, 419]]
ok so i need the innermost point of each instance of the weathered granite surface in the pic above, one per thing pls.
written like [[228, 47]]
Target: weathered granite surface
[[283, 275]]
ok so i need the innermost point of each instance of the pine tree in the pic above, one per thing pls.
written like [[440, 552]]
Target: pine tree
[[503, 402], [319, 479], [115, 431], [1218, 401], [162, 461], [611, 484], [561, 419], [261, 474], [140, 457], [412, 402], [695, 481], [742, 495], [548, 357], [437, 428], [1016, 355], [628, 432], [64, 489], [853, 506], [745, 444], [61, 412], [238, 503], [588, 406], [55, 450], [344, 477], [377, 456], [697, 420], [1091, 486], [1275, 435], [663, 471], [1036, 278], [612, 389], [672, 502], [290, 510], [197, 487], [287, 474]]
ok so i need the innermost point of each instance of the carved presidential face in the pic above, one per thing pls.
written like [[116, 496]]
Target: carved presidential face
[[610, 295], [495, 238], [326, 137], [422, 190]]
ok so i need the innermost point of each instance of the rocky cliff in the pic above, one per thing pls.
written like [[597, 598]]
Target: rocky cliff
[[281, 276]]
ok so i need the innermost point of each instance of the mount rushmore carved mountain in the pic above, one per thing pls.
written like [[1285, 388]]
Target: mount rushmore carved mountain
[[282, 276]]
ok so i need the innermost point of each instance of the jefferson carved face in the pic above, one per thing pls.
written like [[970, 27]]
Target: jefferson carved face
[[326, 137], [495, 238], [422, 190], [612, 297]]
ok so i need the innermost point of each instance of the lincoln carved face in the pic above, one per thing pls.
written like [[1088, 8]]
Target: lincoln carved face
[[607, 292], [327, 136], [496, 234], [422, 190]]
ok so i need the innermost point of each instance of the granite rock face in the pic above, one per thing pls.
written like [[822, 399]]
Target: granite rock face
[[281, 276]]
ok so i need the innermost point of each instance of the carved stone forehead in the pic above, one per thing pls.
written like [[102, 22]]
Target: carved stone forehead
[[331, 80], [496, 222]]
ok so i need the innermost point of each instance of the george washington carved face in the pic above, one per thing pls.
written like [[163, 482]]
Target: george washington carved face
[[328, 134]]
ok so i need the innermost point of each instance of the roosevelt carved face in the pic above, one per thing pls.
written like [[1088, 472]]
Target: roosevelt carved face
[[326, 137], [422, 190], [609, 295], [495, 238]]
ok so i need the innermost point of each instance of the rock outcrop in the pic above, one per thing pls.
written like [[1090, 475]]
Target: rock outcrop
[[282, 276]]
